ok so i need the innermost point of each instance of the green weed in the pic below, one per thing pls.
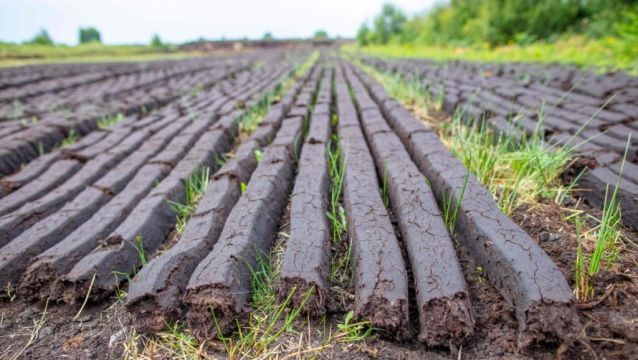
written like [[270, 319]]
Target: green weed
[[606, 238], [120, 294], [258, 155], [18, 109], [220, 160], [198, 88], [71, 138], [86, 298], [608, 234], [252, 118], [384, 188], [194, 188], [11, 295], [582, 288], [108, 121], [450, 215], [340, 265], [336, 168], [269, 320], [354, 331], [139, 248], [516, 171], [480, 274]]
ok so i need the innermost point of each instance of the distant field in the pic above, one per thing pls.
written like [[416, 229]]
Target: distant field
[[16, 55], [604, 54]]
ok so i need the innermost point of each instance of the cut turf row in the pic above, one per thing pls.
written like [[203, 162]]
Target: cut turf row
[[97, 160], [119, 147], [591, 115], [76, 212], [518, 267], [148, 224], [154, 295], [35, 168], [221, 283], [22, 147], [380, 278], [86, 105], [306, 260], [441, 294], [154, 164]]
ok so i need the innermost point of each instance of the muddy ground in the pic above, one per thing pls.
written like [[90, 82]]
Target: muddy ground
[[611, 318]]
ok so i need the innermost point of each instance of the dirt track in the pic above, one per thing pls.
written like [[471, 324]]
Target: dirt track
[[74, 219]]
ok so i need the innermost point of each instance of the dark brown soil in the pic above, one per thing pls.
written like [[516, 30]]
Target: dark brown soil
[[88, 337], [611, 317]]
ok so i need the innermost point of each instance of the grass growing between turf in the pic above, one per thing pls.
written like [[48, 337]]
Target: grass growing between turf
[[606, 238], [270, 319], [340, 264], [194, 188], [522, 171], [108, 121], [516, 171], [196, 185], [272, 330], [252, 118]]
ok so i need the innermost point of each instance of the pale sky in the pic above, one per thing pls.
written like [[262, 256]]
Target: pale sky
[[135, 21]]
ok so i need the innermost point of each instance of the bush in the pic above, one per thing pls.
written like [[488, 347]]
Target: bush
[[496, 22], [156, 42], [320, 35], [41, 38], [89, 35]]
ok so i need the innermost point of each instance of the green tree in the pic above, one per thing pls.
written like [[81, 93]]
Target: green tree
[[41, 38], [89, 34], [388, 23], [268, 36], [465, 22], [156, 42], [320, 35], [363, 35]]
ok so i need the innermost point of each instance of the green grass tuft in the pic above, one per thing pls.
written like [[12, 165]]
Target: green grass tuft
[[108, 121], [269, 320], [607, 235], [71, 138], [194, 188]]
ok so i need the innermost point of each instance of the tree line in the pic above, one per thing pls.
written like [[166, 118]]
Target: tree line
[[86, 35], [497, 22]]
